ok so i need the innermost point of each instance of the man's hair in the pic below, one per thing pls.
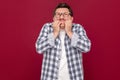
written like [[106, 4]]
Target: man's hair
[[64, 5]]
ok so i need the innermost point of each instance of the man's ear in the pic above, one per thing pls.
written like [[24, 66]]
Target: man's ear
[[53, 18], [72, 18]]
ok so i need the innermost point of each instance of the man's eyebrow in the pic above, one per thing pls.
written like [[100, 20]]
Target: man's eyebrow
[[62, 12]]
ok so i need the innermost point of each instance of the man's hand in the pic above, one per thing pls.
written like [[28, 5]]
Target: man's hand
[[56, 27], [68, 27]]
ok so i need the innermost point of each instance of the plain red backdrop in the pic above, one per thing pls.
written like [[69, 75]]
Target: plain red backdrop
[[20, 24]]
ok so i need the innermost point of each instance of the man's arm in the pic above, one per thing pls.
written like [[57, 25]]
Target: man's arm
[[80, 40], [45, 40]]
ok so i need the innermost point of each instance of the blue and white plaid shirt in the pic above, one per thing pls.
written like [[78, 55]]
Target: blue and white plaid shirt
[[51, 48]]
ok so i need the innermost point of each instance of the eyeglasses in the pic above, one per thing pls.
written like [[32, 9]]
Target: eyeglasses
[[64, 14]]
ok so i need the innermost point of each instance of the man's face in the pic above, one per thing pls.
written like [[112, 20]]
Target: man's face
[[62, 14]]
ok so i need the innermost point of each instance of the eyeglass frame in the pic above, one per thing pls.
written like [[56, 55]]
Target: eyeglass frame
[[64, 14]]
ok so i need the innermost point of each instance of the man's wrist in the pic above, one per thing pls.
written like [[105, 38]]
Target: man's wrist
[[70, 33], [55, 34]]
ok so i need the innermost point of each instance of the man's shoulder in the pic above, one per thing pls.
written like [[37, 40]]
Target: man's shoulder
[[77, 25], [74, 24], [47, 24]]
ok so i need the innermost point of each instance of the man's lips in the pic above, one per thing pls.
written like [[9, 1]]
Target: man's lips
[[62, 21]]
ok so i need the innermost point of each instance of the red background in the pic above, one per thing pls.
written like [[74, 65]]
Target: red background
[[20, 24]]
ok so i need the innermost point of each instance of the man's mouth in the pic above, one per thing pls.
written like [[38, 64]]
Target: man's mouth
[[61, 19]]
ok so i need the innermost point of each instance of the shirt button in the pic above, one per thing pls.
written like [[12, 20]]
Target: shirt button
[[57, 67], [59, 58]]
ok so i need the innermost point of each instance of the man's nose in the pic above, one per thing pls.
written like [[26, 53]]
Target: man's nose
[[61, 16]]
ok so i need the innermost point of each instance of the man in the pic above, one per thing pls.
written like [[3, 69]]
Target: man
[[62, 43]]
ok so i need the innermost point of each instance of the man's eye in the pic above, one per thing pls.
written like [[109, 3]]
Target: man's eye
[[65, 14], [57, 14]]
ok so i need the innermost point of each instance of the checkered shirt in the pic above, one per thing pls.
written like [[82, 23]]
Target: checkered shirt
[[50, 47]]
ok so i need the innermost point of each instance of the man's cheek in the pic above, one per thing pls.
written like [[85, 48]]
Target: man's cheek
[[55, 19]]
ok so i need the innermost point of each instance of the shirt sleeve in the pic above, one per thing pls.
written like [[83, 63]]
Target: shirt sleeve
[[51, 39], [80, 40], [45, 40]]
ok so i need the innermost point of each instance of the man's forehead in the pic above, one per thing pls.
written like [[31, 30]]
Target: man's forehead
[[62, 10]]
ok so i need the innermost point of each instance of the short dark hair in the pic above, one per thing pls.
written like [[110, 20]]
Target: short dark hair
[[64, 5]]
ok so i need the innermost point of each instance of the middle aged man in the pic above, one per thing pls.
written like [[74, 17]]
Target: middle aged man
[[62, 43]]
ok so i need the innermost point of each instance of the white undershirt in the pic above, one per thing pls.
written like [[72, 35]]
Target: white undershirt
[[63, 68]]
